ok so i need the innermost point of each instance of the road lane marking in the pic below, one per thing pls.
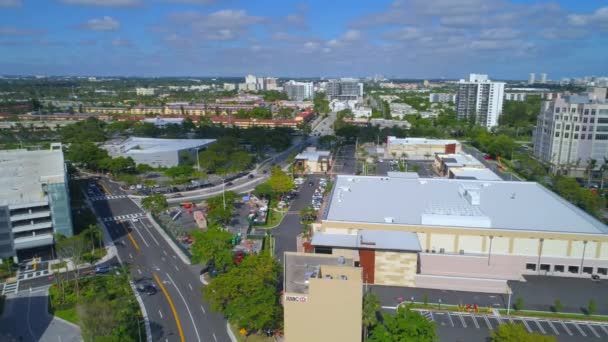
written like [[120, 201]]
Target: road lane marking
[[604, 328], [215, 338], [142, 237], [164, 252], [526, 325], [553, 327], [177, 269], [451, 321], [139, 271], [593, 331], [151, 235], [190, 286], [540, 327], [487, 321], [579, 329], [160, 313], [177, 322], [464, 324], [565, 328], [202, 308], [475, 321], [187, 307], [130, 255], [130, 237]]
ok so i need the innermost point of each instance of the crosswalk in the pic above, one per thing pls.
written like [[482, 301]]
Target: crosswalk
[[105, 198], [32, 275], [123, 217], [10, 288]]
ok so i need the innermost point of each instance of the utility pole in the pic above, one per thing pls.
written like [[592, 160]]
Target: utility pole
[[224, 192]]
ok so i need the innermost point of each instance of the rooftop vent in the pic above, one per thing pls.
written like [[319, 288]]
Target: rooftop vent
[[389, 220], [341, 260], [343, 277]]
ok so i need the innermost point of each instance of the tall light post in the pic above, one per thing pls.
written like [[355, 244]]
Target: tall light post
[[509, 301], [224, 192]]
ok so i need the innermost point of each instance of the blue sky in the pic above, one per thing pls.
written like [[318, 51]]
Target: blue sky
[[401, 38]]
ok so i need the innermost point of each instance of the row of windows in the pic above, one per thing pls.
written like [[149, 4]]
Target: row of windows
[[571, 269], [589, 136], [577, 127], [586, 111]]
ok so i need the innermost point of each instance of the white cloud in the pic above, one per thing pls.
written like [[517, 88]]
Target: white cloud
[[352, 35], [103, 24], [106, 3], [598, 18], [405, 33], [220, 25], [11, 3], [193, 2], [16, 31]]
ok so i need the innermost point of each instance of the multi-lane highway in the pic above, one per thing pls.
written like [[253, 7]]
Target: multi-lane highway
[[176, 312]]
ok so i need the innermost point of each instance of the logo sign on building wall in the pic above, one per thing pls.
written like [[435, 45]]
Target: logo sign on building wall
[[299, 299]]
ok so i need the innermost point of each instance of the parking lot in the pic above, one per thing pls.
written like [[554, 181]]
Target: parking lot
[[462, 326], [345, 162]]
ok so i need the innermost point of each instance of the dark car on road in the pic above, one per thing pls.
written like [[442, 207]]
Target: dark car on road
[[148, 289], [102, 269]]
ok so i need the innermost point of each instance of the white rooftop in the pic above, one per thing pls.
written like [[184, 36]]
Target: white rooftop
[[23, 172], [521, 206], [136, 145], [459, 160], [474, 173], [420, 141], [312, 154]]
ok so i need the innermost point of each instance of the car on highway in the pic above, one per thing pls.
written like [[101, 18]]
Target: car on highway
[[146, 288]]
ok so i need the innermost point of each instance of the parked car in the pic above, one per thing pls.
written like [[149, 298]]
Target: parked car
[[103, 269], [148, 289]]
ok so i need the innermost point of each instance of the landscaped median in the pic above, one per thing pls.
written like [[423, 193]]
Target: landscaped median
[[103, 306]]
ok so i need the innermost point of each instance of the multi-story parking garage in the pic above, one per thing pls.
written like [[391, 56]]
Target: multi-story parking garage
[[459, 234]]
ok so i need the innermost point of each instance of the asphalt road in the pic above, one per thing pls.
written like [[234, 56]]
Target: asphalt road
[[26, 319], [490, 165], [152, 260]]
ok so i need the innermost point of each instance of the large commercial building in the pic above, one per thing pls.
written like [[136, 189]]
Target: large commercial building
[[323, 298], [158, 152], [480, 99], [344, 89], [299, 91], [34, 201], [572, 130], [458, 234], [419, 148]]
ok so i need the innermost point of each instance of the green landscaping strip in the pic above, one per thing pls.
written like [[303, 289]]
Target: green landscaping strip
[[557, 315]]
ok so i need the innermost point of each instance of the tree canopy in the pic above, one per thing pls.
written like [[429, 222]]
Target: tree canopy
[[212, 246], [248, 294], [280, 181], [225, 156], [405, 326], [155, 203]]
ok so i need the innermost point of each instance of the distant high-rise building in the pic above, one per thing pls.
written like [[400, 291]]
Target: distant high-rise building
[[571, 130], [531, 78], [270, 83], [441, 97], [543, 78], [344, 89], [229, 86], [298, 91], [480, 99], [145, 91], [251, 79]]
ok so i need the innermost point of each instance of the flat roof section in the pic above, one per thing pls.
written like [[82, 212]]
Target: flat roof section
[[459, 160], [135, 145], [23, 172], [370, 239], [521, 206], [474, 173], [299, 268], [420, 141]]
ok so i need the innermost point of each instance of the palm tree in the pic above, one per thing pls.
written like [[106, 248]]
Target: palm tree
[[371, 309], [603, 170]]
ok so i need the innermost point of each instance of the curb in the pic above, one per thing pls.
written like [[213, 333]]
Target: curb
[[230, 333], [66, 322], [144, 313]]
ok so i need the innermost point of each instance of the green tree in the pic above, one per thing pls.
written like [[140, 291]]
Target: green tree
[[308, 214], [155, 203], [558, 306], [321, 105], [280, 181], [371, 312], [97, 319], [511, 332], [519, 303], [591, 307], [248, 294], [405, 325], [87, 154], [264, 190], [212, 247]]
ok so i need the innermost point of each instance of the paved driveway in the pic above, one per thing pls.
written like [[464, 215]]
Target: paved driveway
[[26, 319]]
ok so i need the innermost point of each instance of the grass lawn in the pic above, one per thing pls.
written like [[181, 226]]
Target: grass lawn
[[274, 218], [557, 315], [445, 307], [69, 315], [250, 338]]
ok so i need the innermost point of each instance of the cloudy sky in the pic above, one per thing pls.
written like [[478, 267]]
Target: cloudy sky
[[404, 38]]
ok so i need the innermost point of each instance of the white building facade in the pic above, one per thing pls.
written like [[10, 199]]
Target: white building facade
[[480, 99], [299, 91]]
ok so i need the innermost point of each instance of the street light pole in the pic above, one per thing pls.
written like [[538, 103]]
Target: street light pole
[[224, 192], [509, 302]]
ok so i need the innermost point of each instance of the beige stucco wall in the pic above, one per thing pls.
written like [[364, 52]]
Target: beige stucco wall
[[394, 268], [331, 311]]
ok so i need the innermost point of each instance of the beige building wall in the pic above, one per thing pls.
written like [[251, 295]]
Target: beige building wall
[[394, 268], [330, 311]]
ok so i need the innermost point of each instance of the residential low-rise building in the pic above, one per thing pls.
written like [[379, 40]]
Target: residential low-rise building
[[312, 160], [145, 91], [158, 152], [323, 298], [399, 110], [34, 201], [362, 112], [419, 148], [520, 97]]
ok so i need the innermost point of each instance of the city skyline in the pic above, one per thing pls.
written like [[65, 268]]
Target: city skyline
[[399, 39]]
